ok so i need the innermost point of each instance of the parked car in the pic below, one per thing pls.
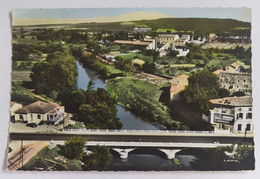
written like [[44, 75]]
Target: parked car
[[33, 125]]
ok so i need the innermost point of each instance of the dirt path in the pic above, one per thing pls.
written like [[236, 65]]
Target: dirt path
[[22, 155]]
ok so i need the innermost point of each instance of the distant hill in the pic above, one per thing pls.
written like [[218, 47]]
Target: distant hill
[[132, 16], [200, 26]]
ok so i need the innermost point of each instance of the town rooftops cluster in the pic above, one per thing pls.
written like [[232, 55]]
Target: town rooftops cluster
[[39, 107], [233, 101]]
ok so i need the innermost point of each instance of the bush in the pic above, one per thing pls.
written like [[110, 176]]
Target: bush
[[73, 148]]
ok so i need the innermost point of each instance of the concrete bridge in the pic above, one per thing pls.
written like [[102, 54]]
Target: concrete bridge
[[125, 141]]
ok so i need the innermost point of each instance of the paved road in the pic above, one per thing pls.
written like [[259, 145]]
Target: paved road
[[136, 137]]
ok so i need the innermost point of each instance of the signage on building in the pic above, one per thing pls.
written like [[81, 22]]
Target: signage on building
[[220, 118]]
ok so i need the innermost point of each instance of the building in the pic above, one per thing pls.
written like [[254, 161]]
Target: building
[[212, 37], [178, 84], [149, 45], [168, 39], [185, 37], [234, 82], [14, 107], [232, 114], [142, 29], [237, 67], [40, 112]]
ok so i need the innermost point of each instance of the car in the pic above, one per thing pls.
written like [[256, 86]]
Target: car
[[32, 125]]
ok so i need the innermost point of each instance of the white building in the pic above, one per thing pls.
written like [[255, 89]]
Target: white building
[[233, 114], [14, 107], [40, 111]]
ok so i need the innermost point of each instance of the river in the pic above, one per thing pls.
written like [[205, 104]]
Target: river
[[141, 162], [128, 119]]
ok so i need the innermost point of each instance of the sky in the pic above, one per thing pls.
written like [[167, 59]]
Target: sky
[[242, 14]]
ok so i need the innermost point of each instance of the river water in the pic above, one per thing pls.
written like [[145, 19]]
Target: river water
[[128, 119], [141, 162]]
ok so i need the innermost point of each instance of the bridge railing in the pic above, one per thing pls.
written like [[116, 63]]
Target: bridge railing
[[137, 131]]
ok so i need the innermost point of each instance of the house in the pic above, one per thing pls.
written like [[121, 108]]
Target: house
[[211, 37], [162, 52], [37, 57], [178, 84], [40, 112], [180, 42], [142, 29], [234, 82], [14, 107], [152, 45], [198, 40], [137, 43], [168, 39], [182, 51], [110, 57], [237, 67], [185, 37], [232, 114]]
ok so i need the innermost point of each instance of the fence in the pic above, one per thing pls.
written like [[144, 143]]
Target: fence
[[138, 131]]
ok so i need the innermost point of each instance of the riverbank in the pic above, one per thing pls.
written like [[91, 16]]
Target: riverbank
[[144, 99]]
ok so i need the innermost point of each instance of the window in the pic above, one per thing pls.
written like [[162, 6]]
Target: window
[[240, 116], [244, 81], [21, 116], [250, 109], [224, 110], [239, 109], [38, 116], [239, 126], [249, 115], [248, 127], [245, 86]]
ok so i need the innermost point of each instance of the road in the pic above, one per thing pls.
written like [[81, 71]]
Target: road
[[136, 137], [20, 156]]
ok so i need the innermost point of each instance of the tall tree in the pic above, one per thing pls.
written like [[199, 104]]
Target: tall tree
[[73, 148], [203, 85], [56, 73], [98, 159]]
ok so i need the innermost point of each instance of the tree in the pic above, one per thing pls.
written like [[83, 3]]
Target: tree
[[57, 72], [96, 108], [73, 148], [99, 111], [149, 67], [173, 53], [122, 64], [203, 85], [98, 159]]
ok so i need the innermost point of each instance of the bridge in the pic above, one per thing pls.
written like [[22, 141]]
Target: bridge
[[124, 141]]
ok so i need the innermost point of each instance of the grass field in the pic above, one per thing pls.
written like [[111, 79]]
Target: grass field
[[21, 75], [220, 64], [142, 98], [112, 70], [167, 30], [182, 66]]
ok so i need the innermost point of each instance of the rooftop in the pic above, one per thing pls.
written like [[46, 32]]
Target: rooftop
[[233, 101], [39, 107], [137, 42], [167, 35]]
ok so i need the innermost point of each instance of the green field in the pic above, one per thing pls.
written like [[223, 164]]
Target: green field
[[166, 30], [142, 98], [219, 64], [182, 66]]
